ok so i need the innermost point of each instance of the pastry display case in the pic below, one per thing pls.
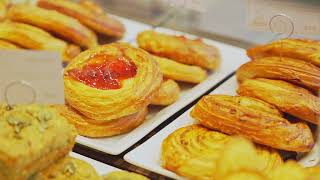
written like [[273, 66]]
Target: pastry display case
[[159, 89]]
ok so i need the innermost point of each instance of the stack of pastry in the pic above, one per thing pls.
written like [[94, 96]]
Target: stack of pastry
[[180, 59], [108, 89], [55, 25], [276, 106]]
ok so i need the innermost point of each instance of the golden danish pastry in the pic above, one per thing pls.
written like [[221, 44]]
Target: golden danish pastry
[[111, 81], [3, 9], [54, 22], [287, 97], [254, 120], [69, 168], [303, 49], [179, 48], [295, 71], [32, 137], [167, 94], [110, 128], [6, 44], [180, 72], [92, 6], [123, 175], [241, 156], [31, 37], [193, 152], [101, 23]]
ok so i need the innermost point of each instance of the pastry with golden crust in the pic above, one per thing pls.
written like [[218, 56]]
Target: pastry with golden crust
[[124, 175], [92, 6], [287, 97], [69, 168], [193, 152], [167, 94], [292, 70], [303, 49], [179, 48], [32, 137], [106, 129], [31, 37], [101, 23], [54, 22], [253, 119], [7, 45], [111, 84], [180, 72], [3, 9]]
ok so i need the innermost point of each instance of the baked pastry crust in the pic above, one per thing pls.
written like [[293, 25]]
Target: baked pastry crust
[[69, 168], [7, 45], [193, 152], [54, 22], [101, 23], [168, 93], [31, 37], [180, 72], [29, 140], [303, 49], [109, 128], [252, 119], [292, 70], [92, 6], [123, 175], [179, 48], [287, 97], [105, 105]]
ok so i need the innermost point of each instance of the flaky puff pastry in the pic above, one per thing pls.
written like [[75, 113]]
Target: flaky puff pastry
[[105, 105], [180, 72], [179, 48], [254, 120], [168, 93], [69, 168], [54, 22], [31, 37], [7, 45], [303, 49], [124, 175], [101, 23], [193, 152], [110, 128], [292, 70], [289, 98]]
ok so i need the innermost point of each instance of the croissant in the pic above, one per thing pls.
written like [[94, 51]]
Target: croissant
[[111, 81], [85, 127], [180, 72], [289, 98], [254, 120], [34, 38], [167, 94], [7, 45], [54, 22], [303, 49], [101, 23], [179, 48], [295, 71], [194, 151]]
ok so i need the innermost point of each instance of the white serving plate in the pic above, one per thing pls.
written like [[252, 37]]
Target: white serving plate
[[100, 167], [147, 155], [232, 58]]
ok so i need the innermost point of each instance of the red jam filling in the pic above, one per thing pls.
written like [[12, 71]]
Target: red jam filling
[[104, 74]]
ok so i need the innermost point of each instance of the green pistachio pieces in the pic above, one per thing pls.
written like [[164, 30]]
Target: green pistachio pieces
[[18, 123]]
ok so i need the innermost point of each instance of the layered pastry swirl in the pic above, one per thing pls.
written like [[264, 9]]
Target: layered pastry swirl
[[194, 152], [253, 119], [109, 83]]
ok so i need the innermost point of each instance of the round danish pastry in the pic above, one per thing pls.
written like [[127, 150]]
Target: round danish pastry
[[111, 83]]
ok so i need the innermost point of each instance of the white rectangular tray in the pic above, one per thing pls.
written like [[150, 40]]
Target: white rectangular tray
[[100, 167], [147, 155], [232, 58]]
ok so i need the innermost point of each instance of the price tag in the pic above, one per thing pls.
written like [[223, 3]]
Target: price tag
[[31, 77], [304, 17], [196, 5]]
